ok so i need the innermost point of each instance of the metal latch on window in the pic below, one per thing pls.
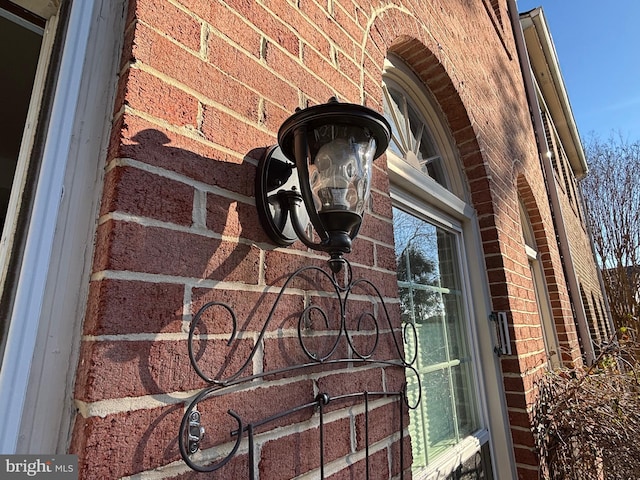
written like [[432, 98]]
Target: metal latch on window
[[502, 333]]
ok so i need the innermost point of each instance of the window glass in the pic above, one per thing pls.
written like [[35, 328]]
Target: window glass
[[432, 298], [411, 139]]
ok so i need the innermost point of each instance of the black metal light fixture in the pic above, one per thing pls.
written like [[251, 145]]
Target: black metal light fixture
[[332, 147]]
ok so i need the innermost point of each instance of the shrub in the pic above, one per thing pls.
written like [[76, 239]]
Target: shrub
[[586, 420]]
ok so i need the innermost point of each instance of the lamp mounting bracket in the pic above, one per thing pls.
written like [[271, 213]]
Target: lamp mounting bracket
[[274, 179]]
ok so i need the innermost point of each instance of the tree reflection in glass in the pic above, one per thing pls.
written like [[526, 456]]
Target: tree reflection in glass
[[431, 297]]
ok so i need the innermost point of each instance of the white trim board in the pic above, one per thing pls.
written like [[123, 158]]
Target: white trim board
[[41, 351]]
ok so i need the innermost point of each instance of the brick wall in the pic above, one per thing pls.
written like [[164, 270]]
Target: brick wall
[[586, 270], [204, 86]]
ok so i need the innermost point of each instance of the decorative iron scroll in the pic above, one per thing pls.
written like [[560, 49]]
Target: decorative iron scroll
[[191, 431]]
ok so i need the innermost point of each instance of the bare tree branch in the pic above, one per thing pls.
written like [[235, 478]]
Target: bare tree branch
[[611, 194], [586, 421]]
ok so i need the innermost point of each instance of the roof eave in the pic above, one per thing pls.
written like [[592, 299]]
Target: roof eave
[[543, 57]]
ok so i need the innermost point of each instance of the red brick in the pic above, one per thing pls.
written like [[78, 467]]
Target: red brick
[[525, 456], [513, 383], [378, 468], [121, 92], [314, 87], [385, 258], [406, 454], [251, 309], [346, 88], [229, 132], [249, 78], [237, 467], [387, 283], [380, 178], [170, 20], [383, 422], [387, 348], [377, 229], [287, 352], [130, 13], [127, 306], [255, 404], [152, 367], [249, 71], [126, 443], [146, 142], [353, 381], [521, 437], [129, 36], [519, 419], [280, 265], [346, 22], [185, 67], [145, 194], [528, 473], [228, 22], [232, 218], [300, 452], [271, 25], [516, 400], [133, 247], [362, 252], [321, 20], [149, 94], [308, 32], [512, 364], [396, 379], [274, 115], [381, 204]]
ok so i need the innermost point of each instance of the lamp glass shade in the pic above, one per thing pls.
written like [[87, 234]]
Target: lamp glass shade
[[340, 167], [333, 146]]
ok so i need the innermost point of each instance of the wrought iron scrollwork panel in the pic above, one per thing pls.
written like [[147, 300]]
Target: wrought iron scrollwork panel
[[351, 340]]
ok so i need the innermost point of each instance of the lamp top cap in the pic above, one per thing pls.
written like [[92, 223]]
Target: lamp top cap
[[335, 112]]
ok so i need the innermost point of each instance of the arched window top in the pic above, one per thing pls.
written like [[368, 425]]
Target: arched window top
[[421, 140], [411, 137], [527, 232]]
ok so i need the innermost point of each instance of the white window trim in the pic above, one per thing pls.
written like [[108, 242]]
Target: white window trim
[[411, 181], [21, 21], [38, 367], [444, 465], [42, 8]]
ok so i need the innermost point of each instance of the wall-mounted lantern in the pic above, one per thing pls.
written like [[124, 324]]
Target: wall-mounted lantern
[[323, 160], [332, 148]]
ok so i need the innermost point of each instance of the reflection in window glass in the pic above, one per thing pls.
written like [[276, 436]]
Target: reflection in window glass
[[431, 298]]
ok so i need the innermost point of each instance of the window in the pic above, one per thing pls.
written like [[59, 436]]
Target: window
[[410, 138], [432, 298], [20, 41], [561, 165], [19, 47], [540, 289], [436, 237]]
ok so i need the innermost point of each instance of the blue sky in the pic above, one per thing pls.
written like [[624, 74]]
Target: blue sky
[[598, 47]]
